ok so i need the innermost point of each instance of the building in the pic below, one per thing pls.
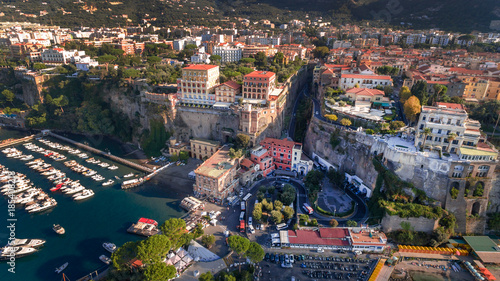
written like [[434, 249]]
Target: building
[[197, 84], [485, 248], [475, 88], [228, 53], [200, 58], [248, 172], [260, 156], [445, 119], [227, 92], [216, 177], [362, 94], [348, 81], [203, 149], [258, 85], [175, 148], [60, 56]]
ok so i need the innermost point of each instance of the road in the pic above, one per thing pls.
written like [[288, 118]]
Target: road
[[291, 127]]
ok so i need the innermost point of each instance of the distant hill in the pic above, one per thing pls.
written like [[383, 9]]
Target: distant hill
[[453, 15]]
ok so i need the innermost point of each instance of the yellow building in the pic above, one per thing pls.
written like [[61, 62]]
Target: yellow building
[[475, 87], [176, 147], [203, 149], [493, 92], [197, 85]]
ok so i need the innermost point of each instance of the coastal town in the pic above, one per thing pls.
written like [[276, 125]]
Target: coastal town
[[248, 150]]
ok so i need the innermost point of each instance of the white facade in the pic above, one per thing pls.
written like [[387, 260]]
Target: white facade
[[415, 39], [197, 85], [228, 54], [201, 57], [60, 56], [348, 81]]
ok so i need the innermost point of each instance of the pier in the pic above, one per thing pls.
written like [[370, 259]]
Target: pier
[[103, 154], [9, 142]]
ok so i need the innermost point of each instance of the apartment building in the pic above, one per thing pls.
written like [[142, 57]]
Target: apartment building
[[216, 177], [228, 92], [260, 156], [200, 57], [203, 149], [493, 91], [259, 85], [60, 56], [250, 51], [445, 119], [475, 87], [348, 81], [197, 84], [228, 53]]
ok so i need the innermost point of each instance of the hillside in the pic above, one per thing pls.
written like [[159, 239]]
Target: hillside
[[454, 15]]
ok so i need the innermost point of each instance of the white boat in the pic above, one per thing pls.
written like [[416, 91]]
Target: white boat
[[113, 167], [58, 229], [44, 206], [74, 190], [61, 268], [128, 175], [26, 243], [17, 252], [109, 182], [83, 195], [105, 259], [110, 247]]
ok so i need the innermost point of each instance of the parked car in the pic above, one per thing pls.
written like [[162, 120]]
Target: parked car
[[292, 259], [266, 257], [272, 258]]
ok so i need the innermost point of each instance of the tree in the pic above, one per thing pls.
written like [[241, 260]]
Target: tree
[[278, 205], [124, 254], [174, 229], [257, 212], [288, 212], [216, 59], [411, 108], [154, 249], [425, 133], [261, 59], [276, 217], [207, 276], [208, 240], [106, 59], [396, 125], [404, 94], [345, 122], [159, 272], [255, 252], [238, 244], [321, 52], [439, 92], [8, 95], [39, 66], [454, 193], [331, 117], [242, 140], [268, 206], [334, 223], [198, 231], [479, 191], [130, 74], [450, 138], [61, 101], [153, 60], [420, 91], [235, 153], [351, 223]]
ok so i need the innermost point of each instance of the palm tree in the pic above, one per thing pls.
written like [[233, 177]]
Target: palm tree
[[451, 137], [425, 133]]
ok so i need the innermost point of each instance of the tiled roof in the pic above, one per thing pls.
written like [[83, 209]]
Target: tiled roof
[[359, 76], [451, 105], [312, 237], [232, 84], [268, 74], [365, 92], [200, 67]]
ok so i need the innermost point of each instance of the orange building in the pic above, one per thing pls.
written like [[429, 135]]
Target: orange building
[[258, 85], [227, 92]]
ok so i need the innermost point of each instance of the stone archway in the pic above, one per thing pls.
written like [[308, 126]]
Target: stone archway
[[476, 208]]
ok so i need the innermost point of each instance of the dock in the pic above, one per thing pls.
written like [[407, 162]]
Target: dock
[[144, 227], [136, 182], [9, 142], [103, 154]]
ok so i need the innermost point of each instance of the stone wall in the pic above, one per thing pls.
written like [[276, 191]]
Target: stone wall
[[393, 223]]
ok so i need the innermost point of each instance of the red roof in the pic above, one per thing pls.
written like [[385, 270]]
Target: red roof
[[148, 221], [466, 71], [379, 77], [232, 84], [366, 92], [314, 238], [333, 232], [267, 74], [281, 143], [200, 67], [451, 105], [246, 163]]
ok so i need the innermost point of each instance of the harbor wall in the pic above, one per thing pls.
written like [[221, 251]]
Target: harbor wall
[[104, 154]]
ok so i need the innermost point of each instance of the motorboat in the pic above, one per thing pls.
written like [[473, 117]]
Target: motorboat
[[58, 229], [128, 175], [113, 167], [61, 268], [110, 247], [57, 187], [109, 182], [74, 189], [44, 206], [105, 259], [17, 252], [86, 193], [34, 243]]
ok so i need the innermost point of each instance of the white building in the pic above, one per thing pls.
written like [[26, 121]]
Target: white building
[[60, 56], [348, 81], [416, 39], [228, 53], [341, 44], [301, 164], [197, 85], [84, 63], [200, 57]]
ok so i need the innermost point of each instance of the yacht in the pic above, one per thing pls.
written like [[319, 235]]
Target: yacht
[[17, 252], [128, 175], [26, 243], [86, 193], [58, 229], [74, 189], [113, 167], [105, 259], [110, 247], [61, 268], [109, 182], [44, 206]]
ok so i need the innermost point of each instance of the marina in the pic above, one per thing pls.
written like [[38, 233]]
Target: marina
[[105, 212]]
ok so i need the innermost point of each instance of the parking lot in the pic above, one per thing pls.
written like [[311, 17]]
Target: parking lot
[[306, 267]]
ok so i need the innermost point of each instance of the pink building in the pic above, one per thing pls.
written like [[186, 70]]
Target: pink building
[[259, 85]]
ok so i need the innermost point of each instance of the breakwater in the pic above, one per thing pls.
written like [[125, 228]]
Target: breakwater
[[10, 142], [103, 154]]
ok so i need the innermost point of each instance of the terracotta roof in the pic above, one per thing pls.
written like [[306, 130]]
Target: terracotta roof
[[451, 105], [282, 143], [200, 67], [379, 77], [246, 163], [232, 84], [465, 70], [267, 74], [365, 92], [312, 237]]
